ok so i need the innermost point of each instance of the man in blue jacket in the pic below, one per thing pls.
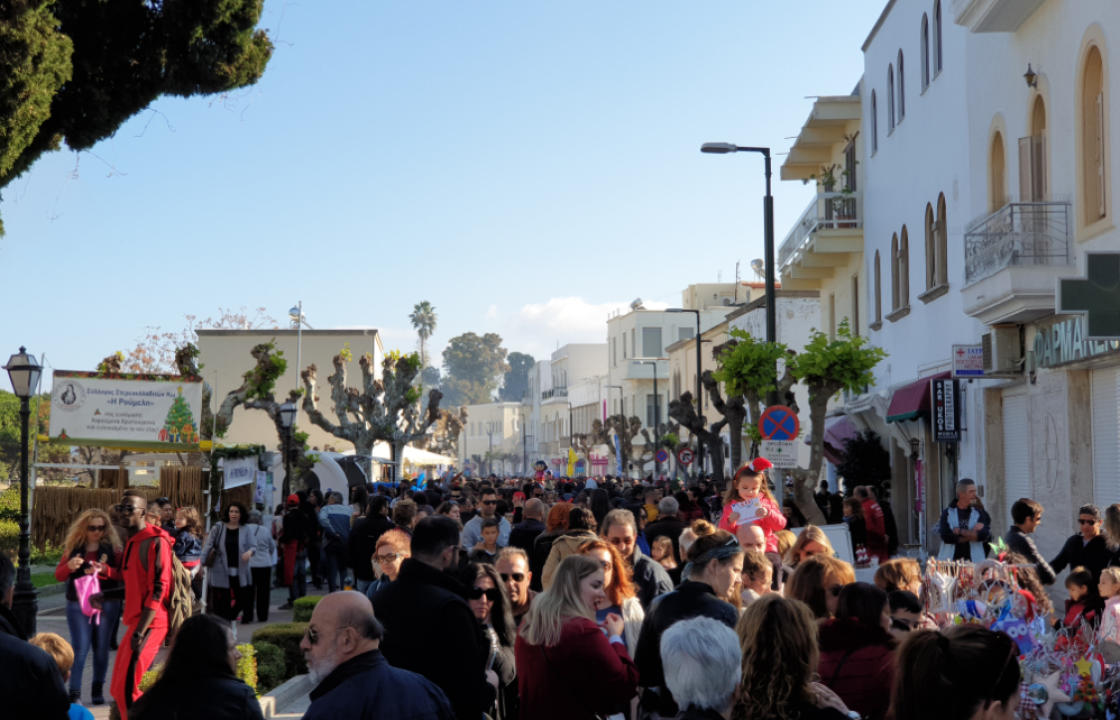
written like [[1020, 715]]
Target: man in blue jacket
[[334, 518], [352, 678]]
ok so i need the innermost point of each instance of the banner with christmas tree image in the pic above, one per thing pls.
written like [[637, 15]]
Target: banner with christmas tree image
[[151, 412]]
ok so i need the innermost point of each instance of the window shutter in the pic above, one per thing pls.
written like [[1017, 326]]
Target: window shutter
[[1016, 449], [1101, 203]]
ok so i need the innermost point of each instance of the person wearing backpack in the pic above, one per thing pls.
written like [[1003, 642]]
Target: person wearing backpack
[[91, 545], [147, 571]]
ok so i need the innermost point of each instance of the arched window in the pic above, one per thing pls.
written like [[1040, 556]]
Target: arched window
[[890, 98], [930, 227], [903, 269], [1032, 156], [895, 294], [925, 51], [942, 242], [936, 36], [874, 124], [997, 180], [901, 88], [878, 299], [1094, 133]]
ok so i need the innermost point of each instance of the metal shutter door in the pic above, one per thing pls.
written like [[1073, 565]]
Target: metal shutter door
[[1016, 450], [1106, 436]]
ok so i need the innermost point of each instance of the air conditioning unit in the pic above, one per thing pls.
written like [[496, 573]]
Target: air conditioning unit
[[1003, 350]]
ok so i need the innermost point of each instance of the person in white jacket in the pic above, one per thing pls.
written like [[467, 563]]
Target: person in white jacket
[[260, 568]]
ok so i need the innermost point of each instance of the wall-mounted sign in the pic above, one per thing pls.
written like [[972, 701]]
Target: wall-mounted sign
[[946, 410], [158, 412], [1097, 295], [968, 361], [1064, 341]]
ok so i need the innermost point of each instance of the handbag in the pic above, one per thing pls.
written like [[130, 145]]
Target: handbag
[[85, 587], [212, 556]]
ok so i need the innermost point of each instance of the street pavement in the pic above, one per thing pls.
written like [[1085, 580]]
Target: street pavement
[[52, 618]]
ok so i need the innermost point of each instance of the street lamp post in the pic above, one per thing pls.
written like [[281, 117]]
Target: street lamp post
[[768, 238], [698, 468], [24, 371], [656, 416], [287, 420]]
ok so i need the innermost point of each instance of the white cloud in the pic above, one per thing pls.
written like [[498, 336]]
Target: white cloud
[[539, 328], [492, 312]]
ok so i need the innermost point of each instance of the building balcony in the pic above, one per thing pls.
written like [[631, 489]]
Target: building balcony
[[993, 15], [561, 392], [823, 239], [1013, 258]]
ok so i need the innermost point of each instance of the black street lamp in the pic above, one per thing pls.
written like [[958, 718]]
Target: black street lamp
[[698, 468], [768, 237], [287, 413], [24, 371]]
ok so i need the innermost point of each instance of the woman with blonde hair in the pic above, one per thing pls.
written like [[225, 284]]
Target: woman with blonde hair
[[812, 541], [91, 547], [778, 637], [817, 582], [621, 597], [900, 574], [560, 640]]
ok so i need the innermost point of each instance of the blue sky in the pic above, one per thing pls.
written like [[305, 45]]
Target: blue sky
[[525, 166]]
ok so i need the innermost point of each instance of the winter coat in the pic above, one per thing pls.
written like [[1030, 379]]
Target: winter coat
[[562, 547], [875, 523], [219, 571], [62, 572], [1094, 556], [430, 630], [651, 578], [1022, 543], [525, 532], [772, 523], [222, 697], [857, 663], [363, 542], [264, 547], [367, 687], [188, 546], [335, 521], [30, 684], [974, 551], [542, 547], [582, 676], [691, 599]]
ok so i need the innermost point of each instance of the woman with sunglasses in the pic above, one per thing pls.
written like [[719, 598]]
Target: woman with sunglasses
[[620, 595], [490, 605], [92, 546], [392, 549], [714, 572], [965, 672], [568, 666]]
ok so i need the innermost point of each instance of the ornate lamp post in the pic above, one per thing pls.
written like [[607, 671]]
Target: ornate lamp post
[[287, 419], [24, 371]]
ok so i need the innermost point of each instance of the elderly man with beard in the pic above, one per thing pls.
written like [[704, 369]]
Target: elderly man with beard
[[352, 678]]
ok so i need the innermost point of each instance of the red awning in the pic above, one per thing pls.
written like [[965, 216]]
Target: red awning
[[911, 401]]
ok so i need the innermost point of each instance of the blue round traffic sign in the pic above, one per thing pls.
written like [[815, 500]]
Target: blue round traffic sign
[[662, 455], [778, 422]]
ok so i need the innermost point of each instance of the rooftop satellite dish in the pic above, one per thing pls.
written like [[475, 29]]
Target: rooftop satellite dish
[[756, 265], [637, 304]]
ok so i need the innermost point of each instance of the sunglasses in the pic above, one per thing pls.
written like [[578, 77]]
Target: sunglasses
[[1086, 522], [127, 509], [387, 557], [492, 594], [517, 577], [95, 528], [489, 502]]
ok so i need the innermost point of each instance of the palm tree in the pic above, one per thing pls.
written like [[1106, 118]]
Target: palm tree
[[423, 319]]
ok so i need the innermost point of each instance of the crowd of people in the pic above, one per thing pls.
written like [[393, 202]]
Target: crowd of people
[[531, 599]]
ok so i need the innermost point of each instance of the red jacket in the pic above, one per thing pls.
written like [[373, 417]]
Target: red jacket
[[876, 523], [858, 665], [772, 523], [579, 677], [146, 569]]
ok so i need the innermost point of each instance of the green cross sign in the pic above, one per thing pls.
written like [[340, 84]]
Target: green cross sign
[[1097, 296]]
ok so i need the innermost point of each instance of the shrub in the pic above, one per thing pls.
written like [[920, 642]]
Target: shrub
[[270, 666], [285, 636], [247, 665], [304, 606]]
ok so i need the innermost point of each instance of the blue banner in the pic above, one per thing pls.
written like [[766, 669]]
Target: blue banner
[[618, 452]]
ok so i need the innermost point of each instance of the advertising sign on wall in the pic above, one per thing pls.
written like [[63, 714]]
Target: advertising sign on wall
[[158, 412]]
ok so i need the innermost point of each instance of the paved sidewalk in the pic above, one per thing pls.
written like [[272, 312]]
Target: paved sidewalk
[[52, 618]]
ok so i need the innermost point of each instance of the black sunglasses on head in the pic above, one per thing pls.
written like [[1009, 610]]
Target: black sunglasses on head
[[492, 594]]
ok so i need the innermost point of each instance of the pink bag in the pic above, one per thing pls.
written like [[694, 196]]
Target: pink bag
[[85, 587]]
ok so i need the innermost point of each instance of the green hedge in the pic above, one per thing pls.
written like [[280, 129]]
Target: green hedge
[[270, 666], [285, 636], [304, 606]]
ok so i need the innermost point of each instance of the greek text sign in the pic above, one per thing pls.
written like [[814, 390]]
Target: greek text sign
[[159, 412], [1065, 341]]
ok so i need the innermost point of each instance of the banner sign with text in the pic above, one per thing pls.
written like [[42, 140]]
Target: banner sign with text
[[157, 412], [946, 410]]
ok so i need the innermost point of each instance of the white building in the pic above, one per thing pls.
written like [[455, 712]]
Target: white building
[[494, 439]]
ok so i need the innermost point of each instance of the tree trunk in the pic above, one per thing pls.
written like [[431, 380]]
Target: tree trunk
[[735, 429], [363, 448], [805, 482]]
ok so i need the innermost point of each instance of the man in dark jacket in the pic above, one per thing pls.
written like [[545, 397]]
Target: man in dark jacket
[[532, 525], [353, 679], [965, 528], [1087, 548], [620, 528], [667, 524], [363, 540], [429, 628], [1026, 514], [30, 684]]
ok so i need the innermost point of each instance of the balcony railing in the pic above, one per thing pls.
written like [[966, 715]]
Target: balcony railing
[[554, 392], [827, 211], [1018, 234]]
